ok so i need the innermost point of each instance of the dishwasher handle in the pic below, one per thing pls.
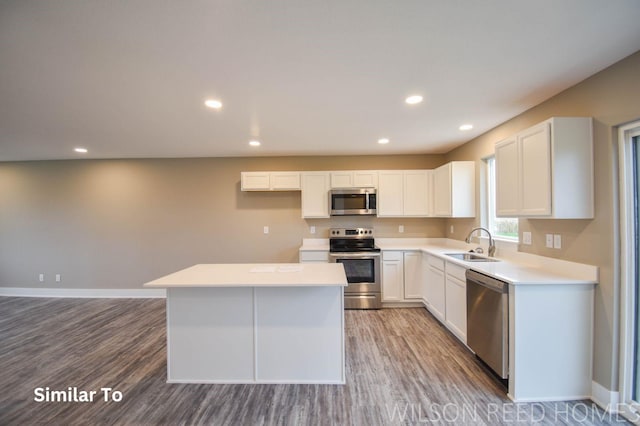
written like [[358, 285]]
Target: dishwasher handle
[[487, 281]]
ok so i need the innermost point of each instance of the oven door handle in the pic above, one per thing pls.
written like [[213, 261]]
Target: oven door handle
[[361, 255]]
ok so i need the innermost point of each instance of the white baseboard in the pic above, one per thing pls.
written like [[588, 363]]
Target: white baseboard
[[606, 399], [100, 293]]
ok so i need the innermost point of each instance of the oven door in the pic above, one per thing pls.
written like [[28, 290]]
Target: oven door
[[362, 270]]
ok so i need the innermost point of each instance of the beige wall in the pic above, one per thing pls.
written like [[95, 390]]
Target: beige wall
[[120, 223], [611, 97]]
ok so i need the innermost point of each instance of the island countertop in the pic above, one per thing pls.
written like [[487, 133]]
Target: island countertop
[[255, 275]]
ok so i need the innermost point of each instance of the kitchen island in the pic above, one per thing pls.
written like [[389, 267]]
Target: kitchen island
[[255, 323]]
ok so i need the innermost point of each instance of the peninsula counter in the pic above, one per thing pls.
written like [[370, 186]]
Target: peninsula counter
[[255, 323]]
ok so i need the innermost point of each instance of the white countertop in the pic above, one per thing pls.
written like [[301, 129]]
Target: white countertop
[[255, 275], [514, 267]]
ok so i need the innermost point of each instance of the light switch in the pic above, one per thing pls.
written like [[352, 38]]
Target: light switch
[[312, 230], [526, 238], [451, 229], [549, 240], [557, 241]]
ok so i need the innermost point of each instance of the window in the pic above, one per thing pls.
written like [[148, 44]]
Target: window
[[500, 227], [629, 264]]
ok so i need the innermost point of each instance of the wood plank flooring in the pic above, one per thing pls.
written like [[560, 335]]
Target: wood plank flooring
[[403, 367]]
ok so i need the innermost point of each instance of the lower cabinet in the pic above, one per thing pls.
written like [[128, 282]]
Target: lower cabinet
[[392, 276], [412, 276], [456, 300], [444, 288], [401, 276], [434, 286]]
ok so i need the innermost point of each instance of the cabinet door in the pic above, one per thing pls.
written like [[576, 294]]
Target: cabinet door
[[365, 179], [390, 193], [285, 181], [442, 190], [424, 279], [435, 292], [392, 279], [430, 194], [507, 189], [535, 170], [315, 194], [412, 275], [342, 179], [254, 181], [416, 201], [456, 307]]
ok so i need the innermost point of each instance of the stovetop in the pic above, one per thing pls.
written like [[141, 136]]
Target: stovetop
[[351, 240]]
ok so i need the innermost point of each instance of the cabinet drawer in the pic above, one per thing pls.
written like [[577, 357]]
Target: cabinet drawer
[[436, 262], [314, 256], [456, 271], [392, 255]]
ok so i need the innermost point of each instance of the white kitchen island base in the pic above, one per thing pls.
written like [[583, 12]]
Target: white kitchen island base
[[256, 332]]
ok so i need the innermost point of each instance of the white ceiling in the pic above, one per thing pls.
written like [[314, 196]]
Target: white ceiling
[[128, 78]]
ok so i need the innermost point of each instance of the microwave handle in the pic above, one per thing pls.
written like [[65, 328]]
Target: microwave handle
[[367, 203]]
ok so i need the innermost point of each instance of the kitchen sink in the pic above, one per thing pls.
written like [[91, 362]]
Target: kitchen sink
[[471, 257]]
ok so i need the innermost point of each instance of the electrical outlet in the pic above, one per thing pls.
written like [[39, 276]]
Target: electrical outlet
[[401, 228], [58, 278], [557, 241], [265, 229], [451, 229], [526, 238], [41, 278], [549, 240], [312, 230]]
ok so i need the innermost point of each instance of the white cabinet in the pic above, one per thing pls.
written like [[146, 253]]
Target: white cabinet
[[454, 187], [404, 193], [546, 171], [456, 300], [401, 276], [435, 286], [506, 187], [354, 179], [392, 276], [412, 276], [270, 181], [314, 256], [315, 194]]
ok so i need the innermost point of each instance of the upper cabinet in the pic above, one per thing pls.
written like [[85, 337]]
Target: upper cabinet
[[404, 193], [454, 188], [270, 181], [354, 179], [546, 171], [315, 194]]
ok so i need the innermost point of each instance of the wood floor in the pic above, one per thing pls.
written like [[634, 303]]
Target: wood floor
[[403, 367]]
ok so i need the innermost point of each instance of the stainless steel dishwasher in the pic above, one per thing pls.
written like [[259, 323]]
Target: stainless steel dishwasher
[[488, 320]]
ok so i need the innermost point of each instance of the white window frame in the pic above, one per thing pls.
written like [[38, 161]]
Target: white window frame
[[627, 292], [487, 207]]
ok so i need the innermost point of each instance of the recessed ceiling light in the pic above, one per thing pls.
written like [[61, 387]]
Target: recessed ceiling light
[[212, 103], [413, 99], [81, 150], [383, 141], [466, 127], [254, 143]]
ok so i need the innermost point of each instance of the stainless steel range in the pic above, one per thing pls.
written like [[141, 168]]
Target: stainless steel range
[[355, 248]]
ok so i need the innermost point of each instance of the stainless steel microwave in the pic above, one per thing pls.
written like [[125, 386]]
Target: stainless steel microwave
[[353, 201]]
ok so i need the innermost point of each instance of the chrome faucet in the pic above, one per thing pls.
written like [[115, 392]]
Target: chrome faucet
[[492, 246]]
